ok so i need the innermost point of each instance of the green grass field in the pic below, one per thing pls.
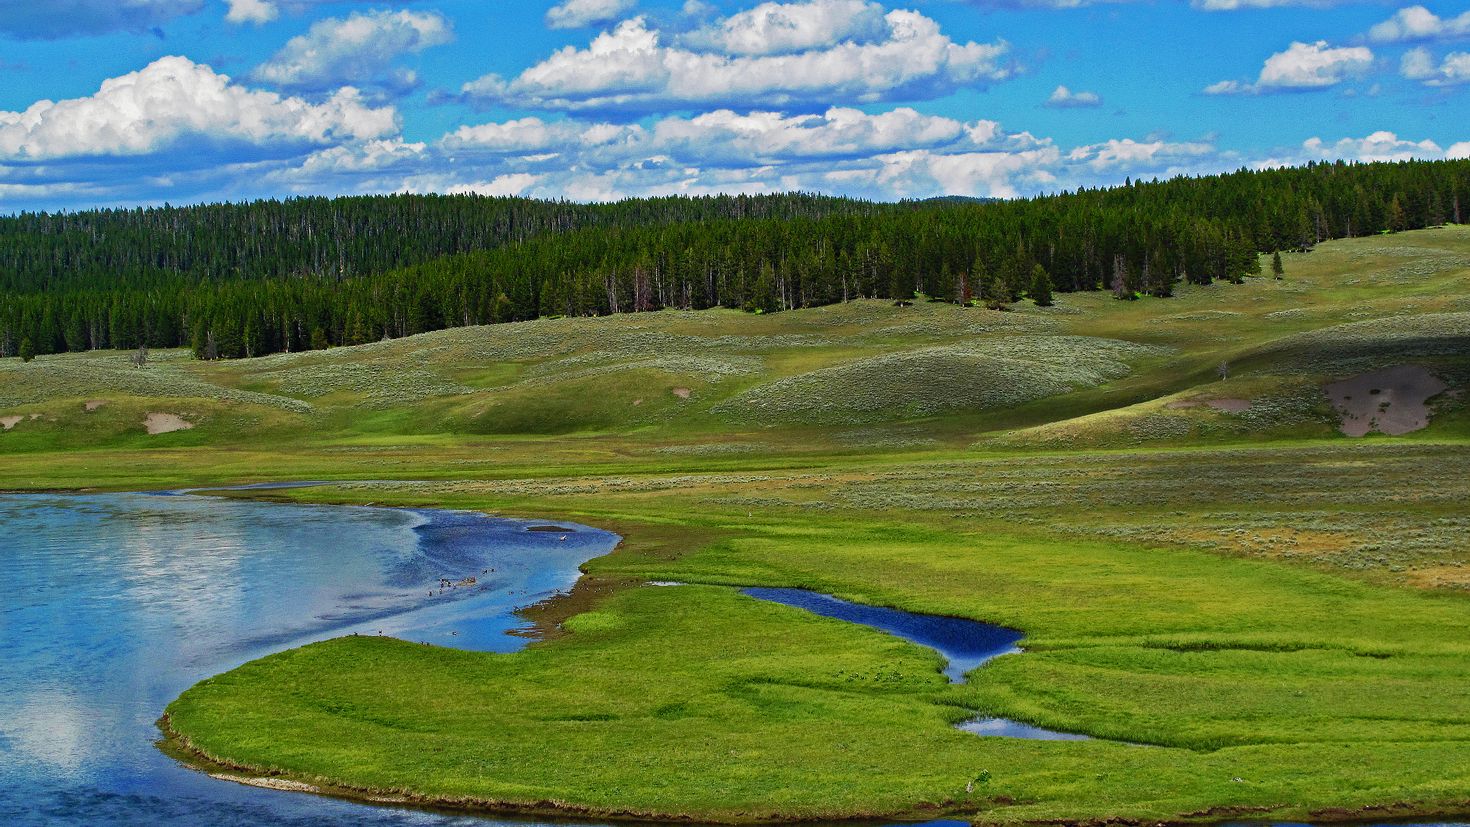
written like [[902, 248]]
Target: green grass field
[[1254, 615]]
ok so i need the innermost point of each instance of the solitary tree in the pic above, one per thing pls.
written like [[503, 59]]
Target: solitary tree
[[1276, 269], [1040, 286], [998, 294], [27, 350]]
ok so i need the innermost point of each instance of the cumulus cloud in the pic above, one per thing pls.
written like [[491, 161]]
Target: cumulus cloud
[[1302, 67], [52, 19], [1417, 23], [899, 153], [1064, 98], [1419, 64], [174, 99], [574, 14], [251, 11], [787, 28], [359, 49], [1163, 157], [638, 68], [1379, 146], [724, 137]]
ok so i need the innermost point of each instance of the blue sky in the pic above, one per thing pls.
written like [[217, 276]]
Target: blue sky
[[122, 102]]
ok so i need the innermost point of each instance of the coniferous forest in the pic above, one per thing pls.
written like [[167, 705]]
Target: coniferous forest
[[235, 280]]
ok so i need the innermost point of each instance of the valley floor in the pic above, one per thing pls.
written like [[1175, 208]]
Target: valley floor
[[1253, 615]]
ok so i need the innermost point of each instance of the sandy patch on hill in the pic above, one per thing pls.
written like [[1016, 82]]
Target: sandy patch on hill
[[1391, 401], [94, 405], [8, 422], [682, 393], [165, 423]]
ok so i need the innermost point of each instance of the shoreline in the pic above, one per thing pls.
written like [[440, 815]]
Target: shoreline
[[177, 746]]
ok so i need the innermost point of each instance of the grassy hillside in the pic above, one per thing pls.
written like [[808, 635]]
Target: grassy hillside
[[1089, 371], [1254, 614]]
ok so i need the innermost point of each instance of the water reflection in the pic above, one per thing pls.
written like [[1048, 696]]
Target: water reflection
[[117, 603]]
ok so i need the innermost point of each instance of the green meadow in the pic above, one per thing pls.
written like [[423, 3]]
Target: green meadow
[[1253, 615]]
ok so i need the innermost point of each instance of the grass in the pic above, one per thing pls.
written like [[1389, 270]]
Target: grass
[[1256, 616]]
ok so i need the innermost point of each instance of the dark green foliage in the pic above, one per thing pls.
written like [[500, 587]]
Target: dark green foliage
[[1277, 269], [296, 275], [1041, 286], [27, 350], [997, 294]]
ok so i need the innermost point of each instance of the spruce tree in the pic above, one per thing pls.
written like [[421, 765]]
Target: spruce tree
[[1277, 269], [1040, 286], [27, 350], [997, 294]]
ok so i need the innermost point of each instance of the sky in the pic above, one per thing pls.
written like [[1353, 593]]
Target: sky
[[142, 102]]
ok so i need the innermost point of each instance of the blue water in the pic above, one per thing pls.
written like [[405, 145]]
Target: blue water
[[965, 644], [114, 604]]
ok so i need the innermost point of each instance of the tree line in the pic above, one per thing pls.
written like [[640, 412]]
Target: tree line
[[248, 280]]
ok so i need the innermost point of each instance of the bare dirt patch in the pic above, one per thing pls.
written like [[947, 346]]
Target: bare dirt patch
[[682, 393], [165, 423], [1391, 401], [8, 422], [94, 405]]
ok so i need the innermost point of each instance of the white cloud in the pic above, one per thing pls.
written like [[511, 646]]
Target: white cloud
[[1418, 23], [899, 153], [174, 99], [1303, 66], [358, 49], [1164, 157], [724, 138], [636, 68], [1064, 98], [574, 14], [788, 28], [1418, 64], [251, 11], [51, 19], [1379, 146]]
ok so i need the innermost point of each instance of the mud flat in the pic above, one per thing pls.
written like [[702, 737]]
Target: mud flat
[[1391, 401]]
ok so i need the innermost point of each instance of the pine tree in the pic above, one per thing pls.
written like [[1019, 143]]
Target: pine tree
[[1040, 286], [900, 289], [1277, 269], [27, 350], [998, 294], [763, 292]]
